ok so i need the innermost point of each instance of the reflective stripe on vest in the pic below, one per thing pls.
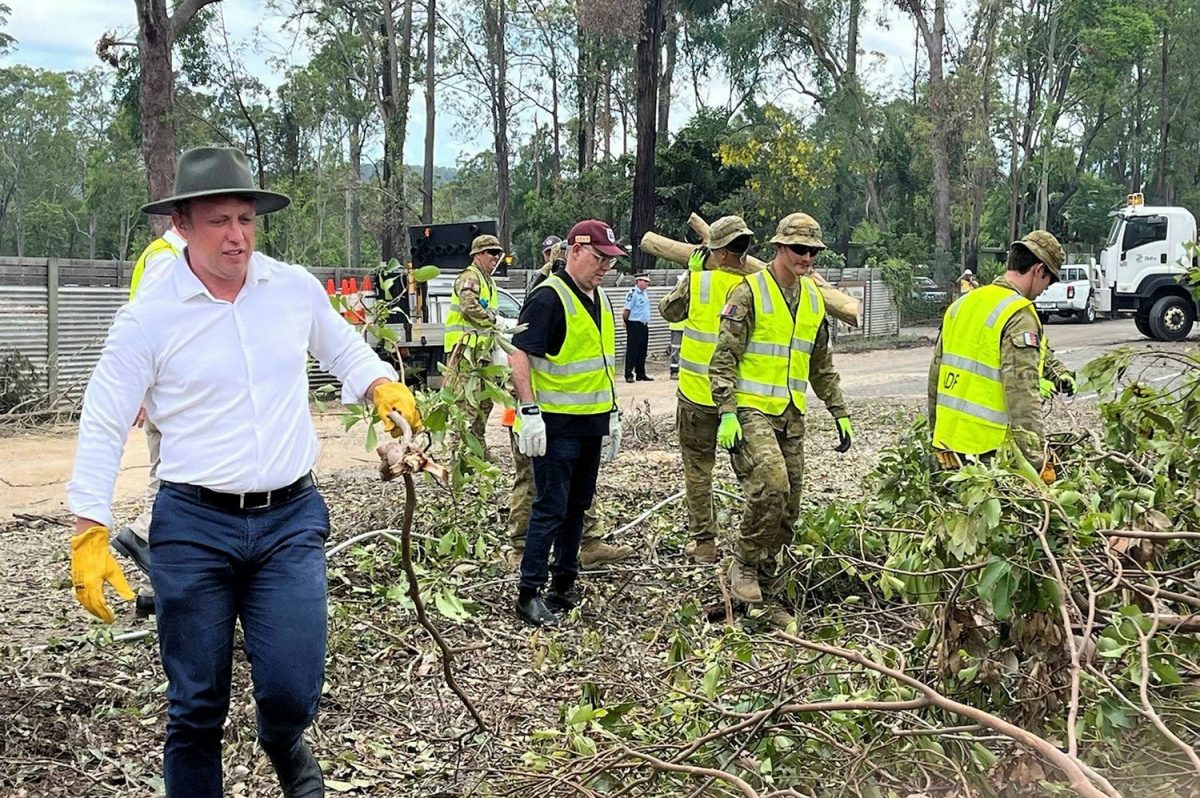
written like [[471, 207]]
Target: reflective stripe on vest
[[707, 292], [773, 370], [457, 325], [972, 413], [579, 379], [153, 248]]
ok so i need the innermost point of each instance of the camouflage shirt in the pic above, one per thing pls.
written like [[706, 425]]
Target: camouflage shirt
[[466, 287], [737, 322], [1019, 375]]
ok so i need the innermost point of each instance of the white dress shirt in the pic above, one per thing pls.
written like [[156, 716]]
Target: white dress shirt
[[226, 383]]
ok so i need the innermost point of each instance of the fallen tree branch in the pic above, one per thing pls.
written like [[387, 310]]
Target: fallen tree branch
[[1082, 778]]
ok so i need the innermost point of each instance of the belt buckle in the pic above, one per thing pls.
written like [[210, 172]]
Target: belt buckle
[[242, 502]]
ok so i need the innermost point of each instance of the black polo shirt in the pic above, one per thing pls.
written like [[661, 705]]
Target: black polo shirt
[[544, 336]]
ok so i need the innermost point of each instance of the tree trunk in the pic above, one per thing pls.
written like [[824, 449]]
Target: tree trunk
[[430, 113], [1043, 193], [852, 42], [668, 70], [581, 95], [934, 33], [354, 234], [157, 32], [1164, 113], [648, 48], [394, 79], [495, 19], [1135, 177]]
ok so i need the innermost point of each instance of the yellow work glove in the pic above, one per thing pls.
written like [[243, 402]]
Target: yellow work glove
[[391, 396], [92, 565], [696, 260]]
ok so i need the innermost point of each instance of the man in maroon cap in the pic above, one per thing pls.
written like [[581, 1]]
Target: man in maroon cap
[[563, 371]]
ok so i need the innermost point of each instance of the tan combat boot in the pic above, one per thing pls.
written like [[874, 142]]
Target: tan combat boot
[[743, 583], [703, 552], [596, 552]]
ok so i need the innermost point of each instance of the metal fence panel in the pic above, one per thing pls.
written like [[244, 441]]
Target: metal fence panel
[[84, 315], [23, 326]]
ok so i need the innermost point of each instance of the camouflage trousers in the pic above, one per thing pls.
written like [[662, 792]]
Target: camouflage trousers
[[769, 463], [697, 427], [520, 501], [479, 416]]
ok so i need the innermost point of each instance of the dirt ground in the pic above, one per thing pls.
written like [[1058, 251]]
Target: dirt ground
[[35, 467]]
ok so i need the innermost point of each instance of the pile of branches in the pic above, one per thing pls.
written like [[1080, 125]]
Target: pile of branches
[[966, 633]]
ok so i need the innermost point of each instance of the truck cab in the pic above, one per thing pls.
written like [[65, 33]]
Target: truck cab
[[1149, 247]]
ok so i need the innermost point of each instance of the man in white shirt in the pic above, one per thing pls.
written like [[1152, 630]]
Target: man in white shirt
[[218, 349]]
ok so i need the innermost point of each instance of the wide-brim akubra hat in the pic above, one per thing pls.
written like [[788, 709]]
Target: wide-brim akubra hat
[[212, 172]]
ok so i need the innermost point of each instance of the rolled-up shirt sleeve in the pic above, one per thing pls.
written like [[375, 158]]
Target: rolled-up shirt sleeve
[[340, 349], [110, 404]]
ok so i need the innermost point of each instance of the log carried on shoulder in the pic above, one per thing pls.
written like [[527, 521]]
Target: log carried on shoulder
[[839, 304]]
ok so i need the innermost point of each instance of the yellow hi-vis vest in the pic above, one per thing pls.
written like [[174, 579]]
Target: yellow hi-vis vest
[[579, 379], [972, 414], [156, 246], [706, 296], [457, 325], [773, 370], [676, 326]]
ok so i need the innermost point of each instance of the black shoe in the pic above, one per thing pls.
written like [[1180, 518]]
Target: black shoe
[[299, 772], [644, 378], [628, 378], [144, 606], [534, 611], [562, 596], [131, 546]]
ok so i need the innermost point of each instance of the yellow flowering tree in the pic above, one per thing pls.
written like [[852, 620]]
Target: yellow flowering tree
[[789, 170]]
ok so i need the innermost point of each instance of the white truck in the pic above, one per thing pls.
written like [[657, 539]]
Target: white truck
[[1148, 248], [1074, 295]]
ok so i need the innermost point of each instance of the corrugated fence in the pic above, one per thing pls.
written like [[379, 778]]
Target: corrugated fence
[[56, 312]]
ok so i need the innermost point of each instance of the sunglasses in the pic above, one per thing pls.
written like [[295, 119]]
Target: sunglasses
[[495, 253], [802, 249]]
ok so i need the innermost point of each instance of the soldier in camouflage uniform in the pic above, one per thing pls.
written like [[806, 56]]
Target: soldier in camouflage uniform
[[773, 342], [593, 550], [965, 384], [696, 414], [472, 319]]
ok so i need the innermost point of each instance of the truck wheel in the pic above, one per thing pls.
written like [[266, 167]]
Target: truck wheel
[[1171, 318], [1143, 325], [1088, 315]]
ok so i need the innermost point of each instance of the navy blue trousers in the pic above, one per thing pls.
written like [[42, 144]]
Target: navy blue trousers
[[212, 567], [565, 478]]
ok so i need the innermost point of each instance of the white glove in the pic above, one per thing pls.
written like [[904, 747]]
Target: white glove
[[611, 444], [531, 430]]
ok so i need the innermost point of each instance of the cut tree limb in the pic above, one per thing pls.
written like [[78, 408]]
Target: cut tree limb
[[838, 304]]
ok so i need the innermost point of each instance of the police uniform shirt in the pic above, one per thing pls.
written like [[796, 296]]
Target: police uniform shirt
[[638, 305], [544, 336]]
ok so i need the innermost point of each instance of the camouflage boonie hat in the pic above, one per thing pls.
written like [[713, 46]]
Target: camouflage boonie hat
[[1045, 248], [798, 228], [484, 243], [725, 230]]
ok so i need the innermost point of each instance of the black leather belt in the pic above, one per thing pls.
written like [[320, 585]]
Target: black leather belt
[[245, 501]]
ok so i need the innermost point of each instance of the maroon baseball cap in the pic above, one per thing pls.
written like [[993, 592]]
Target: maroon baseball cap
[[597, 234]]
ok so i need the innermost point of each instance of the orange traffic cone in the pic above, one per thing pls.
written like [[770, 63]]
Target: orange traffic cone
[[329, 286]]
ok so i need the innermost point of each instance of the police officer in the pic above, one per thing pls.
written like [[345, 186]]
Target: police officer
[[992, 364], [695, 303], [472, 319], [563, 369], [593, 551], [637, 329], [773, 341]]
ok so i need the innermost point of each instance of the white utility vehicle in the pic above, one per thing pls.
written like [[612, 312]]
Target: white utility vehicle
[[1148, 249], [1073, 296]]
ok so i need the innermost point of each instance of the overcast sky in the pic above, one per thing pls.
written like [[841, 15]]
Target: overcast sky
[[62, 34]]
